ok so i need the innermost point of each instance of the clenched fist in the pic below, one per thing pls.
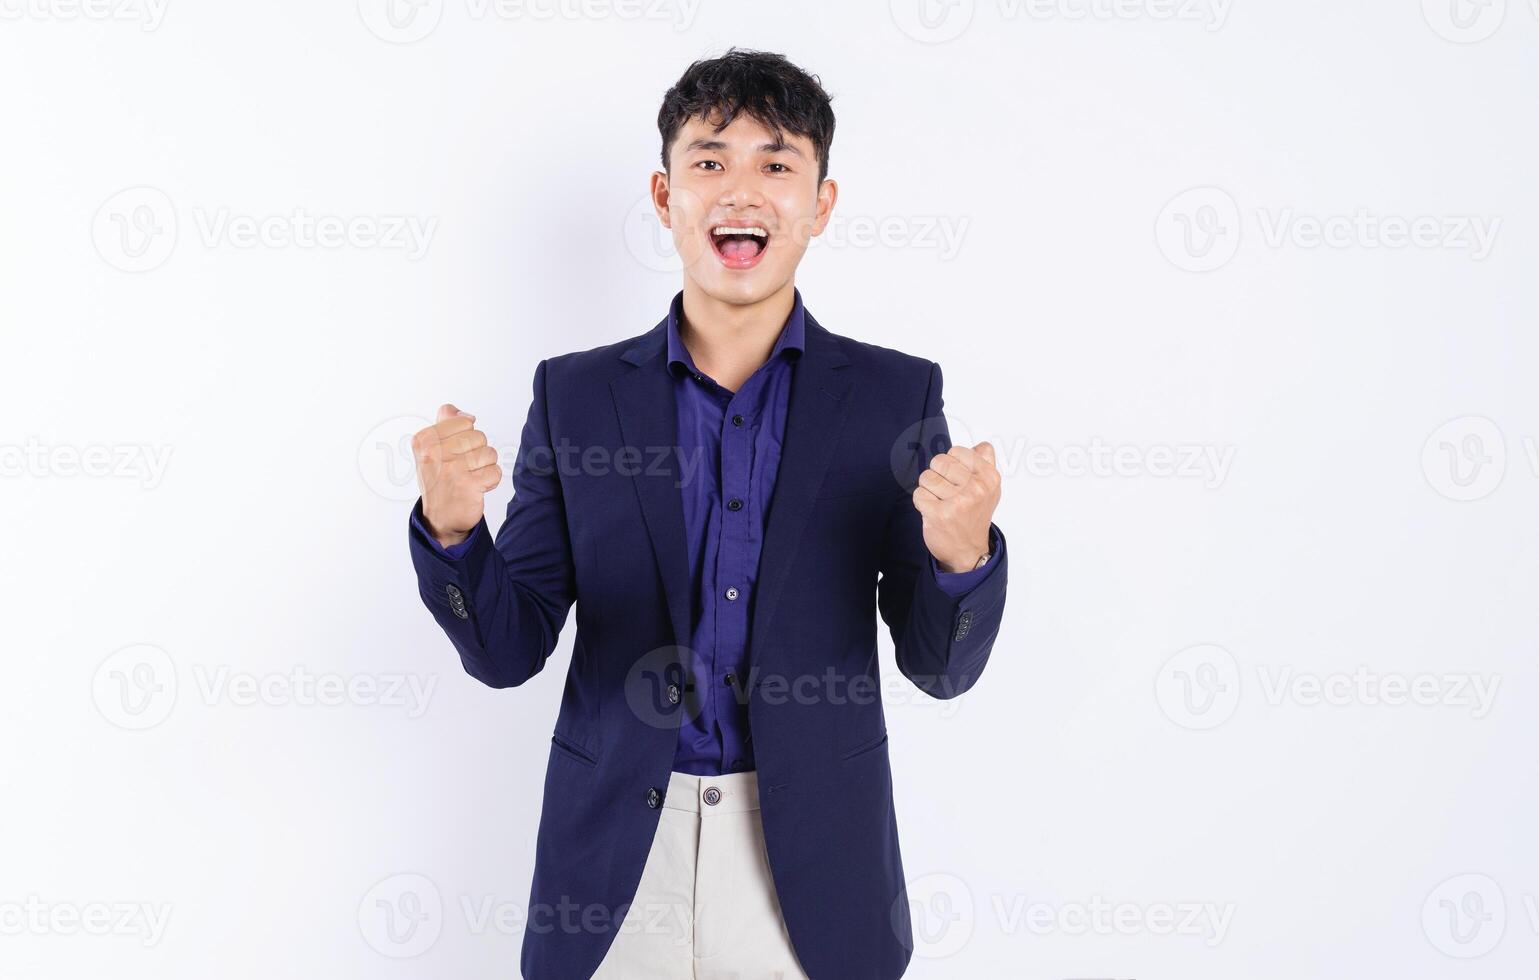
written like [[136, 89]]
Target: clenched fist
[[956, 497], [455, 469]]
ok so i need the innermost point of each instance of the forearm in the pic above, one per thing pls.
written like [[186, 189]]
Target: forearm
[[503, 631], [943, 641]]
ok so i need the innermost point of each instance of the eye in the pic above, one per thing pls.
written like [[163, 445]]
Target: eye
[[708, 163], [783, 168]]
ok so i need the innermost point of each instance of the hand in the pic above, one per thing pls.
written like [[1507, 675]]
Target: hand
[[455, 469], [956, 497]]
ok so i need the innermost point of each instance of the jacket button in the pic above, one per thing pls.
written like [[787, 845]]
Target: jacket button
[[964, 623], [456, 601], [654, 798], [673, 694]]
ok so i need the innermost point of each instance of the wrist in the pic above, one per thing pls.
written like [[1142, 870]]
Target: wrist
[[447, 539], [963, 561]]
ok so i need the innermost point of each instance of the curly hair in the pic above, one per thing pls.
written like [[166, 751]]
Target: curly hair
[[765, 86]]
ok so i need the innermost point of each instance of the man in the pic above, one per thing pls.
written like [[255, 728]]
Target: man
[[730, 499]]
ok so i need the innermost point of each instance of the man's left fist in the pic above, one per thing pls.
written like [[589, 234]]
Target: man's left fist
[[956, 497]]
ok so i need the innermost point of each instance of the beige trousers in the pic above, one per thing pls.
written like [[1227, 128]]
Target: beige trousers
[[705, 908]]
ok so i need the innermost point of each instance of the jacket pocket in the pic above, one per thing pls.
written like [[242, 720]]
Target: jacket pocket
[[571, 748], [870, 745]]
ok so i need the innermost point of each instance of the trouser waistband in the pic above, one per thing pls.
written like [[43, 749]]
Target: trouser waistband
[[733, 792]]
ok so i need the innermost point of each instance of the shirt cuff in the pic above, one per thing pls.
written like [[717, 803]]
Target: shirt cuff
[[455, 551], [958, 584]]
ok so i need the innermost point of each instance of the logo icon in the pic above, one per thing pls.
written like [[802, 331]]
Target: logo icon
[[402, 916], [652, 244], [939, 910], [1199, 687], [932, 21], [1465, 916], [647, 240], [135, 229], [135, 687], [400, 21], [916, 445], [657, 687], [1198, 230], [1465, 459], [385, 459], [1464, 21]]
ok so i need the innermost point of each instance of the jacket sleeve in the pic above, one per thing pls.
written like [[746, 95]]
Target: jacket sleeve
[[504, 600], [943, 641]]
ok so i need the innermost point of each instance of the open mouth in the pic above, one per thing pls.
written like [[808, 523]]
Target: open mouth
[[739, 246]]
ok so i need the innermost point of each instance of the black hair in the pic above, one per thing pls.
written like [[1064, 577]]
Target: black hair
[[765, 86]]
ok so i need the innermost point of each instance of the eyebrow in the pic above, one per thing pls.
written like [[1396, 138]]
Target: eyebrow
[[775, 146]]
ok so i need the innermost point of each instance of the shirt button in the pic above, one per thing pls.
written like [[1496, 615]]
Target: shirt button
[[712, 796], [731, 593], [737, 420], [654, 798], [734, 504], [730, 680], [737, 765], [673, 694]]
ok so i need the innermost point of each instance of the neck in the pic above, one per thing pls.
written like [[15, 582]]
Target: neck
[[730, 341]]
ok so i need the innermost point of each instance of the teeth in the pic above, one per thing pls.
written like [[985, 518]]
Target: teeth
[[729, 230]]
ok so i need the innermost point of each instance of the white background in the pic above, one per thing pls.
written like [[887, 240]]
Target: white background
[[1083, 303]]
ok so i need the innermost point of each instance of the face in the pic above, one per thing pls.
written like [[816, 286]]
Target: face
[[741, 207]]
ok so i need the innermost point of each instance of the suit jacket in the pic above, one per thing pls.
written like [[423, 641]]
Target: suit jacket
[[597, 518]]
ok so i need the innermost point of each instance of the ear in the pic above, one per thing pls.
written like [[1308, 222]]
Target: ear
[[660, 194], [828, 194]]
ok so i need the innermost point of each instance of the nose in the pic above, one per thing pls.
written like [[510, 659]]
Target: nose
[[741, 191]]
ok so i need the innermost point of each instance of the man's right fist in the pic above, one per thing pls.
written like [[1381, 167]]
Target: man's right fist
[[455, 469]]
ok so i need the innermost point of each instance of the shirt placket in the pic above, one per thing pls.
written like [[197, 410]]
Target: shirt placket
[[737, 429]]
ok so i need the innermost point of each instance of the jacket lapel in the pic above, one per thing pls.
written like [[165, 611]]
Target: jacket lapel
[[644, 401], [820, 403]]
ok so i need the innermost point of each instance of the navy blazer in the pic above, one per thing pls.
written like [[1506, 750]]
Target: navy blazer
[[597, 518]]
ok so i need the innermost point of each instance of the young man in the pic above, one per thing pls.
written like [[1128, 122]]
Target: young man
[[730, 498]]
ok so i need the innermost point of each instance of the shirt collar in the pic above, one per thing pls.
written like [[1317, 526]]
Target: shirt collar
[[792, 336]]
